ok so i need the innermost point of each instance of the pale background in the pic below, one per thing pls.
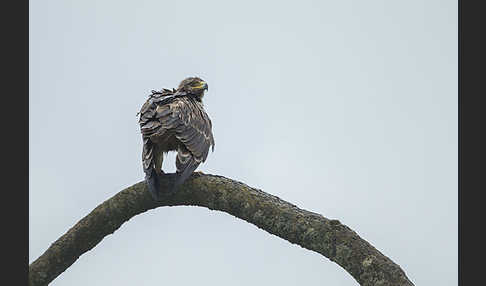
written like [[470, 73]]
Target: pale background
[[344, 108]]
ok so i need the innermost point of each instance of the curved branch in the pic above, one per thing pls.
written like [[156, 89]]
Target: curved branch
[[309, 230]]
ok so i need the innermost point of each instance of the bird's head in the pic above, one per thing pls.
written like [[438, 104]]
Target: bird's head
[[194, 86]]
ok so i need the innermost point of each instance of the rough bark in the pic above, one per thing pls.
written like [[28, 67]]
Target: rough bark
[[309, 230]]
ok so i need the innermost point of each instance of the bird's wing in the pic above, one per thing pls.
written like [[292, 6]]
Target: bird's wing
[[193, 128], [186, 119], [194, 131], [150, 125], [186, 164], [183, 117], [151, 117]]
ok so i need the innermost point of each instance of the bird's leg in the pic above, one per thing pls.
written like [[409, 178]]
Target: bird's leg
[[159, 159], [162, 178]]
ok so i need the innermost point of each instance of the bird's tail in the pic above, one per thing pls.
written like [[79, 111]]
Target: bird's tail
[[151, 177], [186, 164], [153, 183], [182, 177]]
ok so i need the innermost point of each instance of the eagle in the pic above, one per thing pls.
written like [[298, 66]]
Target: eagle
[[175, 120]]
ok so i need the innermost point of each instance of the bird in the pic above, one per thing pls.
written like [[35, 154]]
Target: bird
[[175, 120]]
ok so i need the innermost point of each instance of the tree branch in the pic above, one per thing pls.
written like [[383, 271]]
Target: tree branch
[[309, 230]]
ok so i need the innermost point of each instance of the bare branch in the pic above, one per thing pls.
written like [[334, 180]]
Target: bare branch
[[310, 230]]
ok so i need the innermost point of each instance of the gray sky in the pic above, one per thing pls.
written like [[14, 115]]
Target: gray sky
[[344, 108]]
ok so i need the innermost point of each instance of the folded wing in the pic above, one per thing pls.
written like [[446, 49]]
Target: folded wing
[[184, 118]]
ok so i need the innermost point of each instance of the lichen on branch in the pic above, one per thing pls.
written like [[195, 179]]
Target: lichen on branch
[[310, 230]]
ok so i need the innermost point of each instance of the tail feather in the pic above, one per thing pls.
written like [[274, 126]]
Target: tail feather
[[147, 154], [153, 183], [189, 167], [148, 162]]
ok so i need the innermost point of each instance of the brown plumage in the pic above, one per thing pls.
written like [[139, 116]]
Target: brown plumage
[[175, 120]]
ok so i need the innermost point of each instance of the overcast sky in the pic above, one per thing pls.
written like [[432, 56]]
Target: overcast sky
[[344, 108]]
